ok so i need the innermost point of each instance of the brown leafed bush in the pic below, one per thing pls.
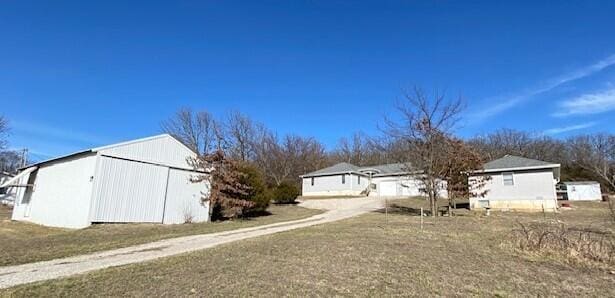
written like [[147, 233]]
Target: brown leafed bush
[[578, 244]]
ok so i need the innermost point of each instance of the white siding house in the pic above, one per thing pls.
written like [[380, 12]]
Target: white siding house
[[344, 179], [516, 183], [145, 180]]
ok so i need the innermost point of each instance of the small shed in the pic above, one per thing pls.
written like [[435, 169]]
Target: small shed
[[145, 180], [580, 190]]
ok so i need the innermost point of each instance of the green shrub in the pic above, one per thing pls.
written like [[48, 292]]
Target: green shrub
[[285, 193], [258, 193]]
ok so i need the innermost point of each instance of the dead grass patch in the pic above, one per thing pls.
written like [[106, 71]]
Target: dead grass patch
[[24, 242], [583, 245], [363, 256]]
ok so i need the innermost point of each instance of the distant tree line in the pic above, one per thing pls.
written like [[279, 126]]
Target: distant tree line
[[423, 139]]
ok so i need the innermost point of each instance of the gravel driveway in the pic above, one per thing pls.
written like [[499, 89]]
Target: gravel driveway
[[337, 209]]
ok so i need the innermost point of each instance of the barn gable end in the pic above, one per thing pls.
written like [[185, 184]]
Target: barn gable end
[[162, 149]]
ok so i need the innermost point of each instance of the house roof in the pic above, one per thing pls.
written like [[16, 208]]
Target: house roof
[[344, 167], [512, 162], [389, 169]]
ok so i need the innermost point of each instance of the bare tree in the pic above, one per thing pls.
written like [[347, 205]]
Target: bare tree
[[10, 161], [353, 150], [595, 154], [362, 150], [508, 141], [271, 157], [283, 160], [426, 127], [240, 130], [196, 130]]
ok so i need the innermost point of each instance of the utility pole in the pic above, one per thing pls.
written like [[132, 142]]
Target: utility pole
[[24, 157]]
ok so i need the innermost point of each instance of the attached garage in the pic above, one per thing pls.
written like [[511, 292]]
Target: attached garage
[[145, 180], [388, 189]]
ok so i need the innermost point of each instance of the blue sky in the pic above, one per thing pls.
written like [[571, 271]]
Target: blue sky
[[79, 74]]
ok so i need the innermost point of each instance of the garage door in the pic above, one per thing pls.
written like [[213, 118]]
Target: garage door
[[387, 188], [128, 191]]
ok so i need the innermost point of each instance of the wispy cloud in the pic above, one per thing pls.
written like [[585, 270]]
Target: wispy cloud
[[504, 103], [45, 141], [591, 103], [57, 133], [558, 130]]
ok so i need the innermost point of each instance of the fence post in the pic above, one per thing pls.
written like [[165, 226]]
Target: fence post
[[421, 219], [386, 209]]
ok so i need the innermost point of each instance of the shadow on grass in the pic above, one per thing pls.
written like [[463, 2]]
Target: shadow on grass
[[403, 210], [285, 203], [246, 216], [395, 208]]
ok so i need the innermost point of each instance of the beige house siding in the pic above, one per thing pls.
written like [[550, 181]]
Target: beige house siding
[[531, 190], [332, 185]]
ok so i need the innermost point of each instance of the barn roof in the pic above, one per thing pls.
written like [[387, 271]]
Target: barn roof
[[512, 162], [108, 148]]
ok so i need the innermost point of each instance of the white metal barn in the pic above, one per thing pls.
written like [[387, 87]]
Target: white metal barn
[[145, 180], [582, 190]]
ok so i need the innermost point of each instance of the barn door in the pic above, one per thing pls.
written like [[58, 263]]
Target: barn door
[[128, 191]]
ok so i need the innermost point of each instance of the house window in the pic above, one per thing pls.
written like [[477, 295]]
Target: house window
[[358, 179], [508, 178], [343, 179], [3, 190], [312, 181]]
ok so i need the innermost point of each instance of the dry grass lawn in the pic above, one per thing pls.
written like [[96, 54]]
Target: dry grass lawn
[[369, 255], [24, 242]]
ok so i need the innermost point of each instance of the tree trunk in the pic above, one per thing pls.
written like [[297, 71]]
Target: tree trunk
[[432, 200]]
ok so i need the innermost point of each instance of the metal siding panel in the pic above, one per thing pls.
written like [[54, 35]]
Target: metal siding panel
[[128, 191], [61, 196], [164, 150], [184, 198]]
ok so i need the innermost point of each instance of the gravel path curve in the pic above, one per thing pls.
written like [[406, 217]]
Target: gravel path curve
[[338, 209]]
